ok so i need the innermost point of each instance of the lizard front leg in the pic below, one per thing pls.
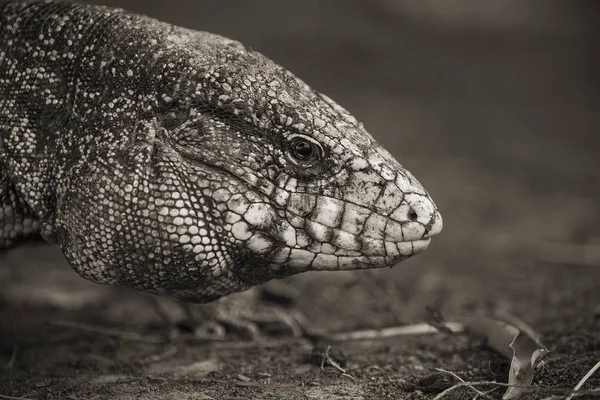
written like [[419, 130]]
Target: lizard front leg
[[246, 314]]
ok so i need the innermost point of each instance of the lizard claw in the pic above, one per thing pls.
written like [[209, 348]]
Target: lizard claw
[[240, 314]]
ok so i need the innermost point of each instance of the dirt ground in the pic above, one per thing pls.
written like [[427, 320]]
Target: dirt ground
[[494, 110]]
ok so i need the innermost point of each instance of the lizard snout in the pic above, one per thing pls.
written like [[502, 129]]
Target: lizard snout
[[435, 226], [415, 218]]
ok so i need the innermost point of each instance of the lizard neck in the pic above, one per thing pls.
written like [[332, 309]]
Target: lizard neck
[[40, 48]]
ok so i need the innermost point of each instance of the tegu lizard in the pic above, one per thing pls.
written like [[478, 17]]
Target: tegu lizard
[[182, 163]]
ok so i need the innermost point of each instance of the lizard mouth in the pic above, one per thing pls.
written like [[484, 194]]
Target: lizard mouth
[[405, 250], [311, 245], [383, 248], [323, 255]]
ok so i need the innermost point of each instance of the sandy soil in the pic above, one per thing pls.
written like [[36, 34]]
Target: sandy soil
[[499, 121]]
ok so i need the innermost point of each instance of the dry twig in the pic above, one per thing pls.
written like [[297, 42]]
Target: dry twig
[[416, 329], [526, 389], [327, 359], [3, 396], [584, 379], [108, 332], [461, 384]]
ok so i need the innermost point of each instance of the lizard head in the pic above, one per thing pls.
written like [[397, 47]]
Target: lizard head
[[236, 172], [232, 172], [298, 183]]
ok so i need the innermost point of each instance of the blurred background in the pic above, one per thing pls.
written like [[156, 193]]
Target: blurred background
[[493, 105]]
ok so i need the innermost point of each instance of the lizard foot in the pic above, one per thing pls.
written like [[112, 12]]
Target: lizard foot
[[250, 314]]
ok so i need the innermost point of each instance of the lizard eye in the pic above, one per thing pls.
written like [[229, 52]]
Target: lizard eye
[[304, 151]]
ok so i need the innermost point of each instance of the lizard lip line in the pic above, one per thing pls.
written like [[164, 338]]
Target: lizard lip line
[[417, 245], [425, 240]]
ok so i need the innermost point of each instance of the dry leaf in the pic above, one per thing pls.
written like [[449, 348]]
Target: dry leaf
[[527, 354], [515, 341], [497, 334]]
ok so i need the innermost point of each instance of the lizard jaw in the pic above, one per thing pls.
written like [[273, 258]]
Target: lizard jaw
[[300, 260], [298, 244], [319, 256]]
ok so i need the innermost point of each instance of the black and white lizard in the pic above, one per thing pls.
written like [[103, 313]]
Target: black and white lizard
[[182, 163]]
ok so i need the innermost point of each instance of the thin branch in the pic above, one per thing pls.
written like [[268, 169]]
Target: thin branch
[[108, 332], [462, 383], [529, 389], [584, 379], [3, 396], [416, 329]]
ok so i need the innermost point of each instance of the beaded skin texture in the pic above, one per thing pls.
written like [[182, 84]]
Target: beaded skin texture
[[182, 163]]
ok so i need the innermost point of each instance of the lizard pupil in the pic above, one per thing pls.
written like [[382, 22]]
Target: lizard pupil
[[303, 150], [305, 156]]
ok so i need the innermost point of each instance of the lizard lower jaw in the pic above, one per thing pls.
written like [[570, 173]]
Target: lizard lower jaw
[[365, 260], [340, 259], [403, 250], [418, 245]]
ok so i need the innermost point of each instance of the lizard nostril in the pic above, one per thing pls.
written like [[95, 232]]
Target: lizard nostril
[[412, 215]]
